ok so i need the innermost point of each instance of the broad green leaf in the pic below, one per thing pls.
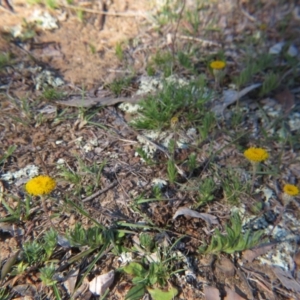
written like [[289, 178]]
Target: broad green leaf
[[136, 292], [158, 294], [135, 269]]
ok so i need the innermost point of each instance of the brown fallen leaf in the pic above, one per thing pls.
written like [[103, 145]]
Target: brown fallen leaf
[[101, 283], [8, 264], [232, 295], [226, 266], [211, 293], [231, 96], [209, 219], [286, 279], [70, 281], [80, 101], [286, 99], [250, 254]]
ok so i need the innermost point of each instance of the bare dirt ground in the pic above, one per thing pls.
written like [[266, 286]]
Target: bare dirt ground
[[89, 52]]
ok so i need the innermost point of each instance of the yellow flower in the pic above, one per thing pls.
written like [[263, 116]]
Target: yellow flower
[[263, 26], [174, 121], [217, 65], [40, 185], [291, 190], [256, 154]]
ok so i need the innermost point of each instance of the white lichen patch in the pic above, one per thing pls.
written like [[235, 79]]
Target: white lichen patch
[[160, 183], [45, 79], [268, 193], [44, 20], [125, 258], [281, 256], [130, 108], [61, 161], [286, 235], [90, 145], [294, 121], [28, 171], [153, 84]]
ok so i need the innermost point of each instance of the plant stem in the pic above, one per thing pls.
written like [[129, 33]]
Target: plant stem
[[253, 176]]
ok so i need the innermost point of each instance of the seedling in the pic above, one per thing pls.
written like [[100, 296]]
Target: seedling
[[192, 162], [158, 110], [172, 171], [119, 51], [270, 83], [5, 59], [206, 191], [208, 123], [49, 242], [15, 213], [120, 85], [233, 187], [4, 295], [33, 252], [9, 152], [47, 277], [234, 240], [52, 94], [144, 278]]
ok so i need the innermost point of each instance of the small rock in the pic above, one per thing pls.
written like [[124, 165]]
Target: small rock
[[292, 51], [277, 48]]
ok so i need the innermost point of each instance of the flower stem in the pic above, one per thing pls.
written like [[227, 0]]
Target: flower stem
[[46, 211], [254, 170]]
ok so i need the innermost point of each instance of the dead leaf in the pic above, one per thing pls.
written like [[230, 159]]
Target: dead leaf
[[209, 219], [226, 266], [82, 292], [231, 96], [211, 293], [9, 263], [26, 290], [49, 109], [295, 169], [70, 281], [101, 283], [297, 259], [286, 279], [232, 295], [250, 254], [286, 99], [79, 101]]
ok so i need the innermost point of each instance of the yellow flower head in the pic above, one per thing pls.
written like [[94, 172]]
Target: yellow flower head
[[40, 185], [217, 65], [291, 190], [174, 121], [263, 26], [256, 154]]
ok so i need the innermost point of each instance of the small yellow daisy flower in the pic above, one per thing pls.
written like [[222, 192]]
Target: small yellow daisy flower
[[263, 26], [40, 185], [174, 121], [256, 155], [291, 190], [217, 65]]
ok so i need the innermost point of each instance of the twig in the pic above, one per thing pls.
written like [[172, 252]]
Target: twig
[[177, 26], [247, 15], [200, 40], [100, 192], [116, 14]]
